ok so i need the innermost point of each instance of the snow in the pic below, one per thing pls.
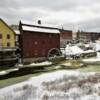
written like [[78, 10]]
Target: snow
[[76, 50], [36, 24], [52, 76], [96, 46], [8, 71], [98, 54], [58, 85], [3, 72], [87, 45], [73, 50], [41, 64], [40, 29], [20, 65], [88, 51], [45, 77], [17, 32], [91, 60]]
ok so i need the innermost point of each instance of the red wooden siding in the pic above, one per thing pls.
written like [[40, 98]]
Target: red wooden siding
[[35, 44]]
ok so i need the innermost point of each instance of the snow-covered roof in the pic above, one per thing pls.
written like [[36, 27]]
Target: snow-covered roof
[[36, 24], [40, 29], [17, 32], [35, 27]]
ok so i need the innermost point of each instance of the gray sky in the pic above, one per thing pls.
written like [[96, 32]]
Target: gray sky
[[71, 14]]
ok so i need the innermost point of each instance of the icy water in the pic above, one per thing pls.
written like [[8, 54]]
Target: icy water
[[59, 85]]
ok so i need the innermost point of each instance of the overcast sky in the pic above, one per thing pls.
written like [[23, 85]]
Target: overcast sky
[[71, 14]]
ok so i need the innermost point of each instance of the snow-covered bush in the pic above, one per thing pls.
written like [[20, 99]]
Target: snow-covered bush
[[59, 85]]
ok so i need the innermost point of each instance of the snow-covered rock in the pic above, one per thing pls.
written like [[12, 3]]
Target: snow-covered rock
[[73, 50]]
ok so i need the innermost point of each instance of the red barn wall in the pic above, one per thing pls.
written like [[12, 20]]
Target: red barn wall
[[38, 44]]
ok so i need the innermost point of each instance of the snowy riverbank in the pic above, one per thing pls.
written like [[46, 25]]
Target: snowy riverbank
[[58, 85]]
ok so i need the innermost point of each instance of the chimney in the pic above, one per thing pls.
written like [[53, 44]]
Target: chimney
[[39, 21]]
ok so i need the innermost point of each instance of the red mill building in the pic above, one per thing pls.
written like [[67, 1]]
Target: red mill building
[[38, 41]]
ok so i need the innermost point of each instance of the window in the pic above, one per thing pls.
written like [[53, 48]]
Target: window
[[8, 36], [8, 44], [35, 42], [0, 36]]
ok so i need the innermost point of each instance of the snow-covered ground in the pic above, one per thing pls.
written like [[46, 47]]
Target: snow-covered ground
[[8, 71], [92, 60], [42, 63], [58, 85]]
